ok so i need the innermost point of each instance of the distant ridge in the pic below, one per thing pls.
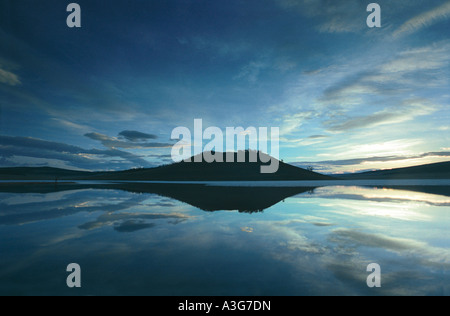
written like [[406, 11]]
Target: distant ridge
[[440, 170], [181, 171], [41, 173]]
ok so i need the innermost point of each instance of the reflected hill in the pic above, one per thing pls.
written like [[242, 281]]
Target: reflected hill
[[215, 198], [204, 197]]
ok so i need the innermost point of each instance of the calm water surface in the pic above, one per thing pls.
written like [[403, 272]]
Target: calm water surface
[[191, 241]]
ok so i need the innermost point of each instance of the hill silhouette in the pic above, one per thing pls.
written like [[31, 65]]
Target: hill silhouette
[[41, 173], [439, 170], [215, 171]]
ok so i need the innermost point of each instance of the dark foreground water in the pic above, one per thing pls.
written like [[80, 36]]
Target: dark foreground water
[[197, 240]]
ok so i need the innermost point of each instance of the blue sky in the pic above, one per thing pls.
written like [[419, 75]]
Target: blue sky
[[107, 96]]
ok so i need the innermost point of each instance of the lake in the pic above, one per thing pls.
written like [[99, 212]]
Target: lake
[[203, 240]]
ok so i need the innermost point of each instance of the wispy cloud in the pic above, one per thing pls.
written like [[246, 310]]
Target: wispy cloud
[[264, 65], [317, 136], [251, 71], [423, 20], [68, 125], [72, 156], [375, 162], [333, 16], [135, 136], [346, 162], [130, 140], [57, 79], [407, 111], [424, 58], [368, 121], [292, 123], [408, 70], [413, 71], [9, 78], [216, 47], [130, 222]]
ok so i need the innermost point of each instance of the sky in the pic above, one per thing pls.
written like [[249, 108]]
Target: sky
[[107, 95]]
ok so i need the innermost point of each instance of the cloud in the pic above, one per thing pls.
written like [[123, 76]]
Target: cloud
[[317, 136], [364, 93], [134, 136], [264, 64], [293, 122], [310, 140], [377, 241], [252, 71], [70, 125], [407, 111], [132, 226], [388, 82], [91, 159], [366, 121], [421, 251], [113, 142], [355, 85], [57, 78], [425, 58], [386, 195], [31, 143], [332, 16], [130, 222], [9, 78], [56, 205], [356, 161], [407, 71], [344, 253], [424, 20], [216, 47]]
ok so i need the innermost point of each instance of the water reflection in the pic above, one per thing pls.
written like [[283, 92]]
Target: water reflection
[[438, 196], [243, 199], [166, 240], [131, 222]]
